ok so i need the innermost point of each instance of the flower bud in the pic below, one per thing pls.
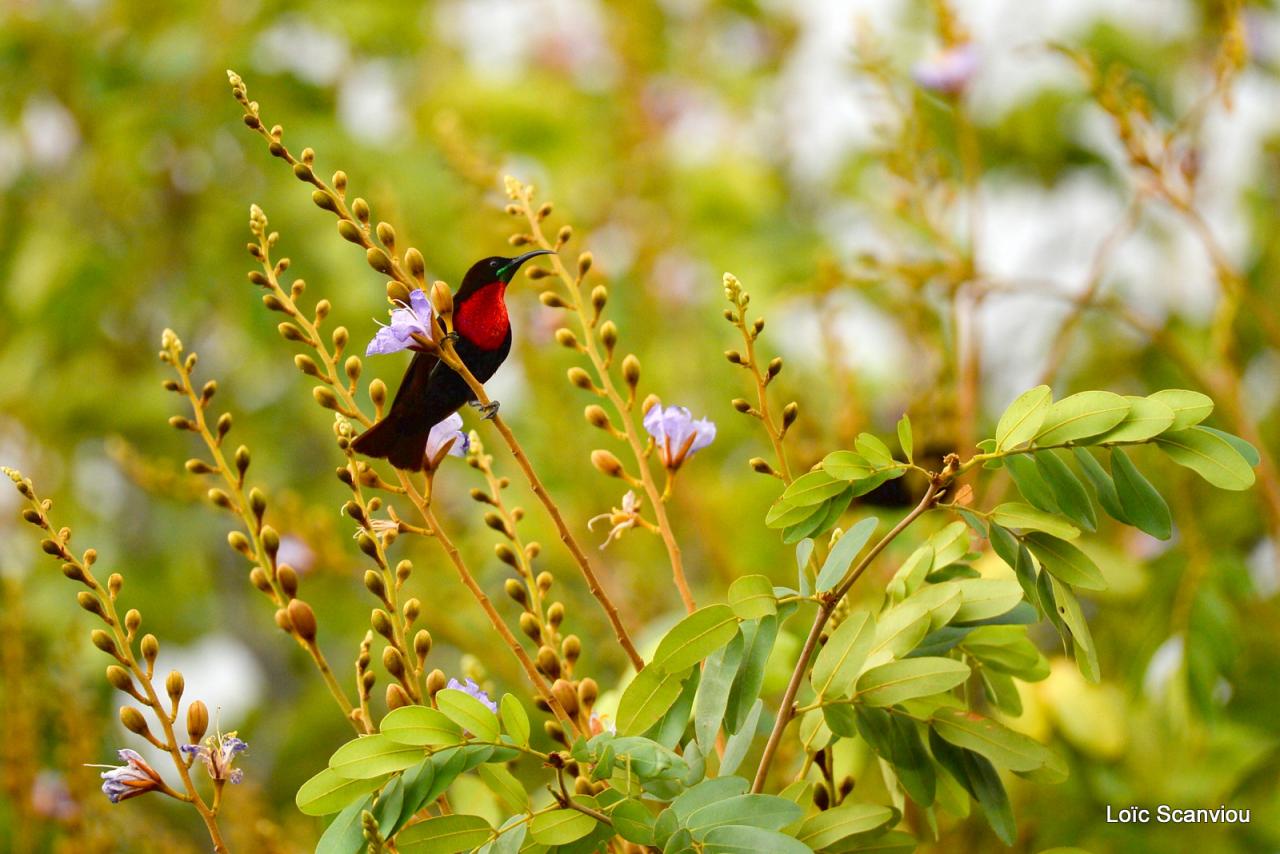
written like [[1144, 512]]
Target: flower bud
[[775, 366], [378, 260], [650, 401], [609, 335], [119, 678], [566, 696], [566, 338], [548, 662], [381, 622], [90, 603], [397, 697], [150, 649], [374, 582], [303, 619], [741, 405], [283, 622], [323, 200], [436, 681], [571, 647], [588, 692], [174, 685], [360, 208], [529, 625], [386, 235], [422, 644], [597, 417], [288, 578], [550, 299], [259, 579], [103, 641], [134, 721], [417, 265], [581, 379], [441, 299], [631, 370], [392, 661], [789, 414], [544, 581], [760, 465], [565, 233], [734, 357], [606, 463], [516, 591], [197, 721], [599, 296], [378, 393], [555, 614], [555, 732], [413, 607]]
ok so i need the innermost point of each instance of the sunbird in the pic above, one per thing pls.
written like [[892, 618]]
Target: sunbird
[[431, 391]]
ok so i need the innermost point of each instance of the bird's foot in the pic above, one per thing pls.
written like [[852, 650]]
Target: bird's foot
[[451, 336], [487, 410]]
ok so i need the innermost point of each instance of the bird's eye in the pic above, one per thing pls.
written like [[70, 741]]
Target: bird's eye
[[494, 264]]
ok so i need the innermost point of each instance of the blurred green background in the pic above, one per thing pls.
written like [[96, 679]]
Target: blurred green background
[[681, 139]]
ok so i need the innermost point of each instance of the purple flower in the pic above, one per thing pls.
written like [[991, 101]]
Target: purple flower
[[948, 71], [405, 321], [475, 691], [677, 434], [446, 432], [130, 780], [218, 752]]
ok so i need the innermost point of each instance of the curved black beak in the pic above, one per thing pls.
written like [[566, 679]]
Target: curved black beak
[[514, 264]]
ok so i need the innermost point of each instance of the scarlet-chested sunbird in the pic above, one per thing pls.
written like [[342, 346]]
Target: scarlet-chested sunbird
[[432, 391]]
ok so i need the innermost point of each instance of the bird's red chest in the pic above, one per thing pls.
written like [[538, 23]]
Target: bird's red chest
[[482, 318]]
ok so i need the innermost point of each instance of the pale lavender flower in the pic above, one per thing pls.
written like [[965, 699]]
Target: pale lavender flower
[[600, 724], [448, 430], [677, 434], [51, 798], [948, 71], [622, 519], [218, 753], [134, 778], [397, 335], [471, 688]]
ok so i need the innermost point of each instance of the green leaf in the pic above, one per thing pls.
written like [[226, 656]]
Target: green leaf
[[737, 745], [768, 811], [1066, 562], [504, 786], [705, 793], [841, 556], [847, 820], [897, 740], [846, 466], [1102, 484], [1068, 492], [669, 730], [1022, 420], [896, 681], [752, 596], [784, 515], [514, 719], [444, 834], [984, 598], [812, 488], [810, 525], [386, 812], [905, 438], [740, 839], [419, 780], [345, 834], [1189, 407], [647, 698], [1147, 417], [421, 726], [833, 510], [469, 713], [1139, 498], [372, 756], [891, 842], [560, 827], [912, 573], [759, 638], [1024, 517], [1249, 452], [1031, 484], [979, 778], [873, 450], [898, 630], [329, 792], [840, 660], [695, 637], [949, 544], [1067, 608], [1003, 746], [713, 692], [1008, 650], [633, 822], [1208, 455], [1081, 416]]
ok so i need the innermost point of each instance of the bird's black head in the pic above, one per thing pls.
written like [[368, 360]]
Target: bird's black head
[[497, 269]]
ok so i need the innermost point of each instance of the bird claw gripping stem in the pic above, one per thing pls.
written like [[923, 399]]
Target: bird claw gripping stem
[[452, 336], [487, 410]]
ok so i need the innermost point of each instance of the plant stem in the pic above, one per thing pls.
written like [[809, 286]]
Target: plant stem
[[825, 609], [622, 406]]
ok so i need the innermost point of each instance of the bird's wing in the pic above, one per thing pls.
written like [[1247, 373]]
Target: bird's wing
[[413, 387]]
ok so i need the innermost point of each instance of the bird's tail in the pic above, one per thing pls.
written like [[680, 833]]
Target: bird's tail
[[399, 443]]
